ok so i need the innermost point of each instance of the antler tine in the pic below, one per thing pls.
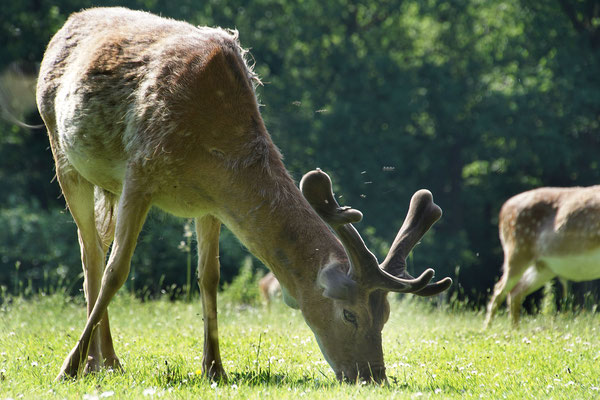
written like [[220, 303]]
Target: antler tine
[[316, 188], [434, 288], [422, 214]]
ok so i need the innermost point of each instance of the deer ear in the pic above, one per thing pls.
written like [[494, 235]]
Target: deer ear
[[336, 283]]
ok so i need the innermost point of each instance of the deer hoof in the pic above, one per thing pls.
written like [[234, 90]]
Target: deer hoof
[[92, 365], [70, 367], [114, 364], [215, 373]]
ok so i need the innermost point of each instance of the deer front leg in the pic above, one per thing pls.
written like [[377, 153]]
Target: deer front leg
[[208, 229], [133, 208]]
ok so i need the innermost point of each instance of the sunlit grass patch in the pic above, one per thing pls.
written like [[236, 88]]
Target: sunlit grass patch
[[430, 353]]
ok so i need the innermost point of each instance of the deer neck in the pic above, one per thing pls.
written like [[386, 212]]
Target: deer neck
[[281, 229]]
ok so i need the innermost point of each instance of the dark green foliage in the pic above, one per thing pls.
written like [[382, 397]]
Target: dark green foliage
[[476, 101], [38, 248], [243, 289]]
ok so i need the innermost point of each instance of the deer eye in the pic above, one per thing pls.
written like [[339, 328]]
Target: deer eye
[[350, 317]]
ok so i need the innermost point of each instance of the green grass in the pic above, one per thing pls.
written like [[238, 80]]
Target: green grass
[[430, 353]]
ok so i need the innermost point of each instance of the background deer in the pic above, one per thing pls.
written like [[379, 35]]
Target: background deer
[[546, 233], [269, 287], [144, 111]]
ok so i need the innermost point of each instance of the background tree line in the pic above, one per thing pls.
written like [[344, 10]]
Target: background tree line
[[476, 101]]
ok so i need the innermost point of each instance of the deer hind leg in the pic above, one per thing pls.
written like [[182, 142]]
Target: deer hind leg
[[79, 195], [106, 203], [133, 207], [208, 229], [534, 278], [514, 266]]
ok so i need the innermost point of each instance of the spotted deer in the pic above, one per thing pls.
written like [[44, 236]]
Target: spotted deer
[[546, 233], [145, 111]]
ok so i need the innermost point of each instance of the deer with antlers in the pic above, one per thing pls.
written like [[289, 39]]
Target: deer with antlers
[[546, 233], [143, 111]]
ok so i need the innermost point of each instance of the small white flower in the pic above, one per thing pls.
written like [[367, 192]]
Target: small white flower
[[234, 386], [108, 393], [418, 394], [34, 364], [90, 397], [437, 391], [149, 391], [526, 341], [596, 388], [213, 385]]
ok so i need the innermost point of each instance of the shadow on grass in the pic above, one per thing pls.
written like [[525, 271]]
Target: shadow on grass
[[173, 375]]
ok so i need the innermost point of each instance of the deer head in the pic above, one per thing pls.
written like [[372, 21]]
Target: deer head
[[354, 308]]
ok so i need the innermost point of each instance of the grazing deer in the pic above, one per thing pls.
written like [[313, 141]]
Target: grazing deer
[[269, 287], [546, 233], [145, 111]]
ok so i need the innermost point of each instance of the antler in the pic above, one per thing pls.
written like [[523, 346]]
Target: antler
[[422, 214], [364, 268]]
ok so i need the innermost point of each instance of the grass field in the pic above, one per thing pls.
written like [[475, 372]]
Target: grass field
[[430, 353]]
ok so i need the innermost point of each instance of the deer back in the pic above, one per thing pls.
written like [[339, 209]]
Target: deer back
[[552, 221], [118, 88]]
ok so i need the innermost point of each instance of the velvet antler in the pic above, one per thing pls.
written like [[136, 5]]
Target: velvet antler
[[422, 214], [364, 268]]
